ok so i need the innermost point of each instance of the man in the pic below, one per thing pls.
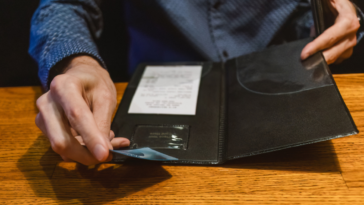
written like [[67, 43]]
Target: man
[[78, 106]]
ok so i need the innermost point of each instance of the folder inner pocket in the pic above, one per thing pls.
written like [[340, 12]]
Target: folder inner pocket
[[266, 73]]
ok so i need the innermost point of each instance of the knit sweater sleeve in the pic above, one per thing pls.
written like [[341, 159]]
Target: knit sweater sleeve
[[62, 28]]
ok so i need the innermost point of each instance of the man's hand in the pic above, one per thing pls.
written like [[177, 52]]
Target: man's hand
[[77, 111], [338, 41]]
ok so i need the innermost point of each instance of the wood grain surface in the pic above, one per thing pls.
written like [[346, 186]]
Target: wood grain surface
[[330, 172]]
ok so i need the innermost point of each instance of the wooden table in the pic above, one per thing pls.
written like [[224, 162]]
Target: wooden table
[[329, 172]]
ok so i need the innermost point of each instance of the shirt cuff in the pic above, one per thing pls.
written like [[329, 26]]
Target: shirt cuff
[[62, 50], [360, 14]]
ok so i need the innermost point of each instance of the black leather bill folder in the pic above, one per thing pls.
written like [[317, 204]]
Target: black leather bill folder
[[257, 103]]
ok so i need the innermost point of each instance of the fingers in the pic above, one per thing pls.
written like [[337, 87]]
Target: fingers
[[342, 50], [80, 140], [71, 113], [66, 159], [328, 39], [112, 135], [344, 56], [120, 142], [74, 132], [52, 123], [39, 119], [40, 124], [339, 37], [67, 92]]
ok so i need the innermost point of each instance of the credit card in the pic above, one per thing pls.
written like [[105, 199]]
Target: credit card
[[145, 153]]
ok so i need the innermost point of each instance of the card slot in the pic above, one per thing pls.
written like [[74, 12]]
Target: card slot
[[161, 137]]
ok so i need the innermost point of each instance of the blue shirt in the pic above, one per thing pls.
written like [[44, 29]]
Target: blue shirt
[[160, 30]]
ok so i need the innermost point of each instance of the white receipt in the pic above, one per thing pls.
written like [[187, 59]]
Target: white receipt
[[167, 90]]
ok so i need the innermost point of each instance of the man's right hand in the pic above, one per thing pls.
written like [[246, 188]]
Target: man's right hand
[[77, 111]]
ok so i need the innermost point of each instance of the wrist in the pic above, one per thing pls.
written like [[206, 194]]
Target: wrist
[[80, 62], [74, 63]]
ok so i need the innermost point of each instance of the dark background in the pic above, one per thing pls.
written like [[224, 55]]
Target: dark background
[[18, 69]]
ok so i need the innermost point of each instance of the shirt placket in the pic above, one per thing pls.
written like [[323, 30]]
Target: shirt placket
[[216, 22]]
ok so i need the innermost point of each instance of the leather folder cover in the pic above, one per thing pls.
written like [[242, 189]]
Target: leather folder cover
[[257, 103]]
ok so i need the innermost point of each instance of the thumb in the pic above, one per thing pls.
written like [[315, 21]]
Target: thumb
[[103, 106]]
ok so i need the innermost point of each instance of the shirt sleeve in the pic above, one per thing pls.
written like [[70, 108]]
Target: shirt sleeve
[[360, 14], [62, 28]]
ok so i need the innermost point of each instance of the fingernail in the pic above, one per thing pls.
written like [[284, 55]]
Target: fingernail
[[100, 152], [303, 56], [125, 143]]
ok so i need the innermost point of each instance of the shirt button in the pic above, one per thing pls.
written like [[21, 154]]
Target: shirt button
[[217, 5], [225, 54]]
